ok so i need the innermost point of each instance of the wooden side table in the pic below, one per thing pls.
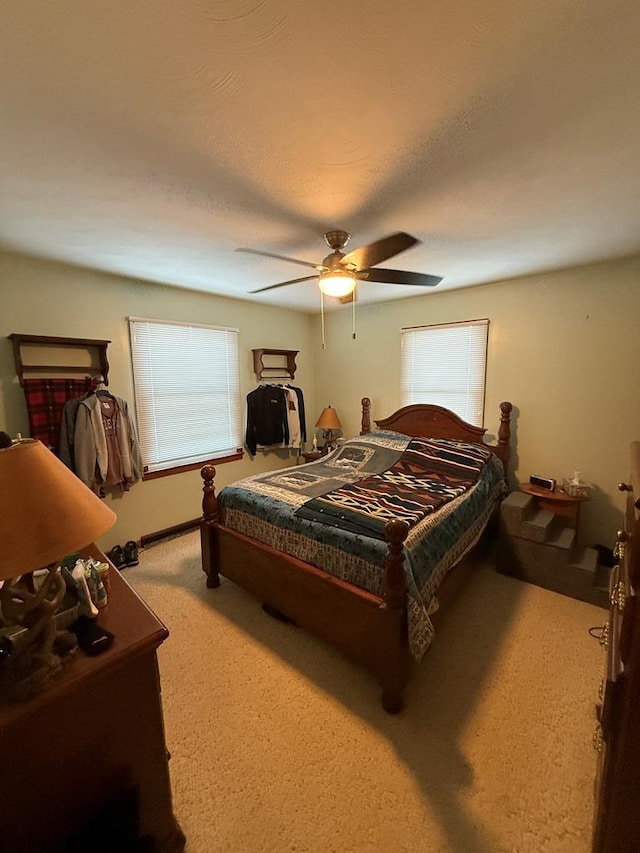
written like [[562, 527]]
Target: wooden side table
[[558, 502], [84, 762]]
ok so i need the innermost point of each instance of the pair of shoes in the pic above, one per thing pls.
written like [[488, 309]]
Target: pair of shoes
[[131, 553], [124, 557]]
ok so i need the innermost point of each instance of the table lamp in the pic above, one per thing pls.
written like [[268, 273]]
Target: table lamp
[[46, 513], [328, 422]]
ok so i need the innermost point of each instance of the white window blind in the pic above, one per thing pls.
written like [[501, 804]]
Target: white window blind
[[187, 388], [446, 365]]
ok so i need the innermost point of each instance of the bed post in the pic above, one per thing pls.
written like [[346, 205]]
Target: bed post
[[504, 433], [208, 528], [394, 661], [365, 426]]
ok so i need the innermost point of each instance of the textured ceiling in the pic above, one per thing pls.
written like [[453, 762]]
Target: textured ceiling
[[152, 138]]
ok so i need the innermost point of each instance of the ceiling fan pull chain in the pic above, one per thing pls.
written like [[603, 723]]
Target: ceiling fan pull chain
[[322, 317], [353, 313]]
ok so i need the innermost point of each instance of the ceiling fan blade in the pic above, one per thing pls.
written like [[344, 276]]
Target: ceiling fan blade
[[416, 279], [282, 258], [283, 283], [380, 250]]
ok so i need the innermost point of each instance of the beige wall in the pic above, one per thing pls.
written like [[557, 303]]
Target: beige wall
[[43, 298], [563, 348]]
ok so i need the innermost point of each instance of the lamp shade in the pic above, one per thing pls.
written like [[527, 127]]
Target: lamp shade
[[46, 512], [329, 419]]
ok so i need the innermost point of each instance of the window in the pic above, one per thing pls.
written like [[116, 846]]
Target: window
[[446, 365], [187, 388]]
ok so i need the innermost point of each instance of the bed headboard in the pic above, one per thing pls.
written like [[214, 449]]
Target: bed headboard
[[429, 421]]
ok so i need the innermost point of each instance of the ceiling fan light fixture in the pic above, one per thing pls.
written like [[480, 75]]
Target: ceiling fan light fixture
[[337, 283]]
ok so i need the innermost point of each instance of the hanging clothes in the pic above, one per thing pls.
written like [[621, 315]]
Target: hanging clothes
[[106, 449], [275, 418], [45, 399], [66, 450], [293, 418], [267, 418], [301, 412]]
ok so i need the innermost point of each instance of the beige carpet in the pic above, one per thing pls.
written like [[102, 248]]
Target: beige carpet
[[279, 744]]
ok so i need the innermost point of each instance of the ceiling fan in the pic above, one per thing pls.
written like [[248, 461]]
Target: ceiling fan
[[339, 273]]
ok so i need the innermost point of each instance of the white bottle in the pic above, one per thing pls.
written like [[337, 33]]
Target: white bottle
[[86, 606]]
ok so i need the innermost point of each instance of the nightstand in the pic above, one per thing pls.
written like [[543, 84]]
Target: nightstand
[[538, 544], [558, 502]]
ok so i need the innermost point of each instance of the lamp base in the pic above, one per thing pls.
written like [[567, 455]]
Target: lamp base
[[329, 440], [26, 675]]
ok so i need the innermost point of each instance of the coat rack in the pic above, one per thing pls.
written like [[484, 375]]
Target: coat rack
[[96, 349]]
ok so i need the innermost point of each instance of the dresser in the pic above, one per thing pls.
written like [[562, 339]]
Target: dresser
[[617, 736], [84, 763]]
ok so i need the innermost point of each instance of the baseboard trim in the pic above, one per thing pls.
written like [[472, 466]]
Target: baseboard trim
[[169, 532]]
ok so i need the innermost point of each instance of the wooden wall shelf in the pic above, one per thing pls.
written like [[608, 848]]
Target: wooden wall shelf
[[280, 363], [23, 344]]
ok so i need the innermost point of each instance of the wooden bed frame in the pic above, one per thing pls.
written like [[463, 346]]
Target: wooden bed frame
[[369, 628]]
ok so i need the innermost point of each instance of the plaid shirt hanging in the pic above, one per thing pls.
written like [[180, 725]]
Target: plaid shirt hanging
[[45, 401]]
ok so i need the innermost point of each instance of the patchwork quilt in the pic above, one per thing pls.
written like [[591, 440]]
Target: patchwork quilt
[[427, 474], [331, 513]]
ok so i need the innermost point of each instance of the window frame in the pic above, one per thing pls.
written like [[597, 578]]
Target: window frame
[[212, 457], [466, 324]]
